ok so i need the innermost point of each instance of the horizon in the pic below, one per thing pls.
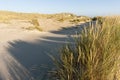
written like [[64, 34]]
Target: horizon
[[85, 8]]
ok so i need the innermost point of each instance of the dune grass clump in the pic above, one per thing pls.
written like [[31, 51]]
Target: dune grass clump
[[36, 24], [99, 19], [95, 55], [80, 19]]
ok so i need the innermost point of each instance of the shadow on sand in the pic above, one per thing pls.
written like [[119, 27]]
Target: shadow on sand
[[34, 56]]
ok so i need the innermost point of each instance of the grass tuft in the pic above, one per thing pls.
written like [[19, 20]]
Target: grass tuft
[[95, 56], [36, 24]]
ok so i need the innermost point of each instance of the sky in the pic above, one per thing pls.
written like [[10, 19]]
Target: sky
[[79, 7]]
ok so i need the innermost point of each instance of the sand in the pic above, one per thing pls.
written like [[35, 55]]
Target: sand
[[24, 53]]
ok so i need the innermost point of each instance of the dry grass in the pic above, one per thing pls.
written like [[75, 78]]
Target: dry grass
[[6, 16], [95, 56], [36, 25]]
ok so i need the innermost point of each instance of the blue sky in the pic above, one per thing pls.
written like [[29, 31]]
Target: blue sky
[[79, 7]]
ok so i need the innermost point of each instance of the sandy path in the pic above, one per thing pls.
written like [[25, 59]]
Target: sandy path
[[23, 51]]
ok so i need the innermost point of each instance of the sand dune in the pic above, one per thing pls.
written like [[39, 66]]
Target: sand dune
[[24, 53]]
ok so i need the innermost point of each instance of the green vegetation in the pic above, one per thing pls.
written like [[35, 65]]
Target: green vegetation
[[95, 55]]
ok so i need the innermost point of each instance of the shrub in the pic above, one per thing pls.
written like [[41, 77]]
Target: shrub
[[95, 55]]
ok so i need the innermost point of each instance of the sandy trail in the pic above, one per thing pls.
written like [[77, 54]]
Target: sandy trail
[[10, 67], [24, 53]]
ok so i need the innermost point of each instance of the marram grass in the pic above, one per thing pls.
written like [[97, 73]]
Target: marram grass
[[95, 55], [36, 24]]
